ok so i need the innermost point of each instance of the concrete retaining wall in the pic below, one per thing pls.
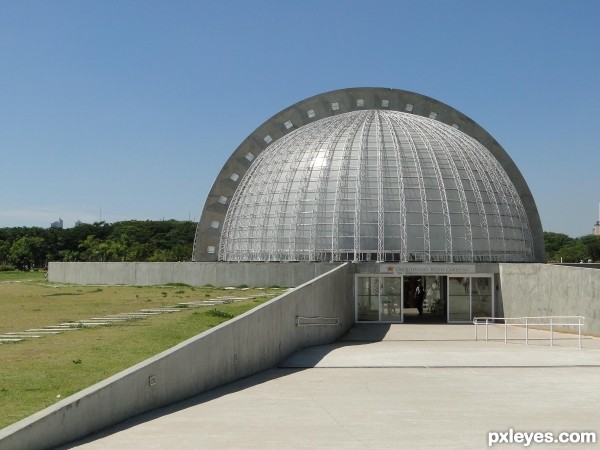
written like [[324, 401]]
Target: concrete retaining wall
[[254, 341], [549, 290], [192, 273]]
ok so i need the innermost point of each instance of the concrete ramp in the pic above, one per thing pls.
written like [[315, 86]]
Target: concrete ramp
[[386, 387]]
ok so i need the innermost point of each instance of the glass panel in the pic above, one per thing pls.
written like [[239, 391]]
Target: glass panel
[[367, 298], [391, 299], [481, 297], [435, 302], [459, 307]]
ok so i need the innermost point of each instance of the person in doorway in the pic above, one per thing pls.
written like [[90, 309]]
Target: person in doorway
[[419, 297]]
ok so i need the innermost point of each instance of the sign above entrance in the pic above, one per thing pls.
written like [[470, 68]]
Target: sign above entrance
[[422, 269]]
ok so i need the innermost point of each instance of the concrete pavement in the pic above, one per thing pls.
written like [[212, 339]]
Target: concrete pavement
[[388, 386]]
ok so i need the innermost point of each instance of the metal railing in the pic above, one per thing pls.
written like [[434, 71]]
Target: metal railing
[[531, 322]]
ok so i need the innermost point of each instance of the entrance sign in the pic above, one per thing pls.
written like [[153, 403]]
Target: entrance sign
[[422, 269]]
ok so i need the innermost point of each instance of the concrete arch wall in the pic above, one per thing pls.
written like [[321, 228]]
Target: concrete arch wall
[[336, 102]]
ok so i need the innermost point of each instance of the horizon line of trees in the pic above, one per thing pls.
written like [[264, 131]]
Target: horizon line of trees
[[26, 248], [563, 248]]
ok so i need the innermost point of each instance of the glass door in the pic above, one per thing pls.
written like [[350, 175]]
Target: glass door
[[469, 297], [367, 298], [391, 299], [434, 304], [459, 299], [482, 300], [379, 298]]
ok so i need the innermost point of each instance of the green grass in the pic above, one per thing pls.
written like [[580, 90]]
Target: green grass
[[36, 373], [18, 275]]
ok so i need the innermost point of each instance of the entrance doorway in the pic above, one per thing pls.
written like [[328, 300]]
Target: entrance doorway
[[434, 298], [390, 298]]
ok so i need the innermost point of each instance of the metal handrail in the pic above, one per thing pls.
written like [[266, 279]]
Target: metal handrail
[[551, 321]]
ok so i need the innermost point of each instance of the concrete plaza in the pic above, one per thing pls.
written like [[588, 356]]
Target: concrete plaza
[[389, 386]]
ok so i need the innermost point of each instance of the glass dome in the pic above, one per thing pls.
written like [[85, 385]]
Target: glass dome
[[376, 185]]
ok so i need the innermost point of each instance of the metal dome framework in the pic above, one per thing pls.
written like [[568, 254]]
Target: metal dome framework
[[376, 186], [427, 183]]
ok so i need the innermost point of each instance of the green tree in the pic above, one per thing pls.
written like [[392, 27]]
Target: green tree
[[68, 255], [573, 253], [73, 237], [4, 252], [181, 252], [137, 251], [114, 251], [90, 249], [592, 246], [28, 252], [554, 242], [133, 240]]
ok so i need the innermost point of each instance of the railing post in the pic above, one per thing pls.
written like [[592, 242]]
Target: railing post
[[551, 333], [579, 327], [505, 330], [476, 322], [486, 328], [526, 332]]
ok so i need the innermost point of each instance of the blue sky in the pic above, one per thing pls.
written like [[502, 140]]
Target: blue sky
[[119, 110]]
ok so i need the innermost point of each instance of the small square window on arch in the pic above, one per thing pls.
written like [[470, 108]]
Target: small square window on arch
[[222, 199], [432, 115], [385, 103], [215, 224], [234, 177], [454, 125], [409, 107], [311, 113], [360, 103], [249, 156], [288, 124], [268, 139], [210, 249], [335, 106]]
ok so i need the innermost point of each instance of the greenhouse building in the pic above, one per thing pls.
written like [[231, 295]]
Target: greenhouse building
[[409, 189]]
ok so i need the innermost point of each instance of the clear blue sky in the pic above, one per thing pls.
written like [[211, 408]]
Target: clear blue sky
[[128, 109]]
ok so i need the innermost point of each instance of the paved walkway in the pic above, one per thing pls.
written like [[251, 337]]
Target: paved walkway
[[398, 386]]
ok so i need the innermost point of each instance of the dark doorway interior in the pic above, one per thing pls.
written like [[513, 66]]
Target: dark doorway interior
[[434, 303]]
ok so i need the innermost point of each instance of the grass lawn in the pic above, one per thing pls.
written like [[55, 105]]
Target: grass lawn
[[37, 372]]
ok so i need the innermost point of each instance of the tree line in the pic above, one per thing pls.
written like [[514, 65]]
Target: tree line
[[26, 248], [171, 240], [562, 248]]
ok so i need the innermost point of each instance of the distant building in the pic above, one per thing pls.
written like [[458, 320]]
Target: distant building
[[596, 229], [57, 224]]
